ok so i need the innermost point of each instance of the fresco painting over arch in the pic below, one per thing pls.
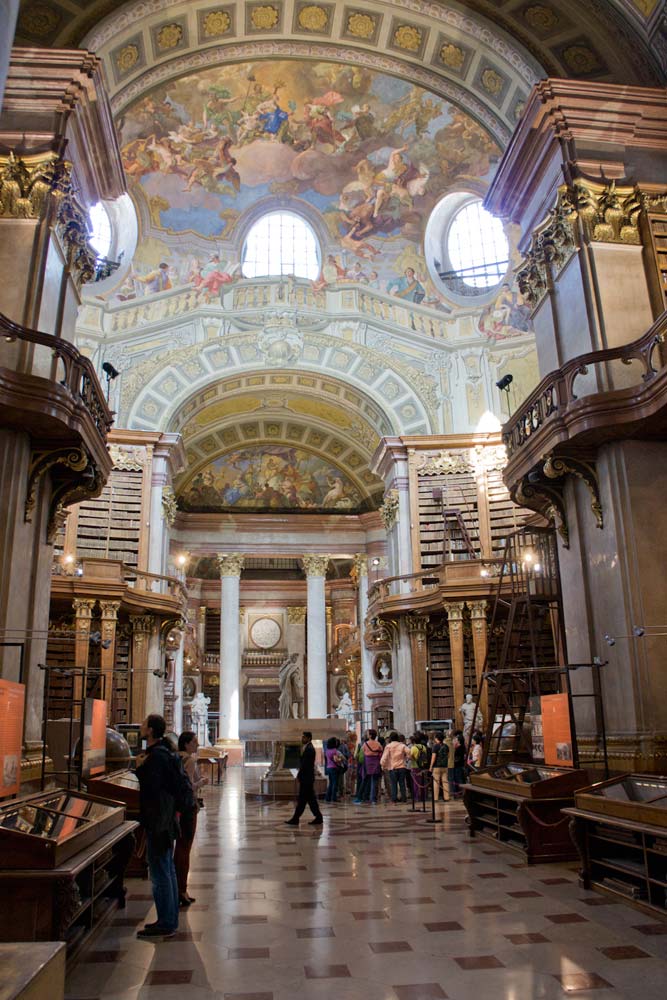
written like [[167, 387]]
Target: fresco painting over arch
[[370, 153], [271, 477]]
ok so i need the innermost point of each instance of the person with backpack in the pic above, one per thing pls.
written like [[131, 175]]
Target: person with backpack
[[187, 748], [164, 791], [371, 751], [439, 767], [418, 766]]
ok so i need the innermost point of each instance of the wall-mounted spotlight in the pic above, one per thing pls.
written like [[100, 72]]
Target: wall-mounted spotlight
[[111, 373], [504, 385]]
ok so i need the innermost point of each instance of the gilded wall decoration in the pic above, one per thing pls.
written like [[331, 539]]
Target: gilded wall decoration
[[389, 509], [169, 36], [609, 213], [541, 18], [169, 506], [127, 58], [452, 56], [215, 23], [39, 19], [313, 17], [551, 247], [581, 60], [361, 25], [492, 82], [408, 37], [264, 17]]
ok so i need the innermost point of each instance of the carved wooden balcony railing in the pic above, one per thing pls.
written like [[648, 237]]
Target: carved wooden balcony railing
[[50, 391], [426, 589], [625, 371], [111, 578], [59, 362]]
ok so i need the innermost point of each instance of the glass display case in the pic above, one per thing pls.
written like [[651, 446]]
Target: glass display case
[[532, 781], [121, 786], [641, 798], [42, 830]]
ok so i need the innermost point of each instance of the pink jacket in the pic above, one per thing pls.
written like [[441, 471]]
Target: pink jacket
[[394, 756]]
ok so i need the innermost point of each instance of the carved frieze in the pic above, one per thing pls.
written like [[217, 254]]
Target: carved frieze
[[130, 458], [296, 615]]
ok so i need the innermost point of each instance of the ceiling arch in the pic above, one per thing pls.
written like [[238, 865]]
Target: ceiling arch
[[259, 415]]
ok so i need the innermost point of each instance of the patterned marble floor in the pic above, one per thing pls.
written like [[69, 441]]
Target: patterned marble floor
[[375, 905]]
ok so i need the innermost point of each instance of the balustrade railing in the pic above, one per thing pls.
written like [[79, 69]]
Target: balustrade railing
[[598, 371], [248, 296], [449, 572], [60, 362], [155, 582]]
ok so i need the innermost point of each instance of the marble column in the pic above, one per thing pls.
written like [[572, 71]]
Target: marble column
[[109, 613], [296, 643], [230, 565], [480, 645], [367, 680], [454, 611], [316, 568], [417, 626]]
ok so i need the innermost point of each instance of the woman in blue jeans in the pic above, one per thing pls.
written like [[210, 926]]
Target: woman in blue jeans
[[394, 759], [331, 758]]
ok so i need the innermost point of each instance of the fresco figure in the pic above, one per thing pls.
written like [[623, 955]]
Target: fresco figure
[[407, 287], [155, 281], [507, 316], [271, 116], [212, 277]]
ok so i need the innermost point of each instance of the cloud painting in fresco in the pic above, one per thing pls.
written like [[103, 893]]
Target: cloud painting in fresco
[[372, 153], [271, 477]]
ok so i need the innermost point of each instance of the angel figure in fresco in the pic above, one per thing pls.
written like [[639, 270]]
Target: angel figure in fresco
[[407, 287], [405, 181], [507, 316], [271, 116]]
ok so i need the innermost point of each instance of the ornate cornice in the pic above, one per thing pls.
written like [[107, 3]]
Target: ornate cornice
[[130, 458], [230, 563]]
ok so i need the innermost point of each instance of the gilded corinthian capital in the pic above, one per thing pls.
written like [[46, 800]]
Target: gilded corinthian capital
[[315, 565], [230, 563]]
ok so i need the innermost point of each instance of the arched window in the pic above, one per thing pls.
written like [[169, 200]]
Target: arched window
[[100, 225], [477, 246], [281, 243]]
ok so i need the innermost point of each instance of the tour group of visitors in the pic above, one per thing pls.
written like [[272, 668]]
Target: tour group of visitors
[[400, 768], [169, 785]]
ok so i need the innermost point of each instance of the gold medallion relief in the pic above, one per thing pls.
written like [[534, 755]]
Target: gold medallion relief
[[127, 58], [216, 23], [313, 18], [540, 17], [408, 37], [264, 17], [169, 36], [452, 56], [492, 81], [361, 25]]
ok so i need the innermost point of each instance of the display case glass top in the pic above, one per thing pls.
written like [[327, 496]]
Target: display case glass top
[[44, 829], [639, 797], [530, 780], [122, 786]]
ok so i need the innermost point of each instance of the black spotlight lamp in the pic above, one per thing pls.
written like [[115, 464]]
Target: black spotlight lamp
[[110, 373], [504, 385]]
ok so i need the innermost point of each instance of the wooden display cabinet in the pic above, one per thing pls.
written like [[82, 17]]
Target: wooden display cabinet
[[45, 829], [66, 897], [620, 829], [123, 786], [520, 805]]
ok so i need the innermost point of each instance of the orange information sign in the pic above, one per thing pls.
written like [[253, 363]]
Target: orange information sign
[[12, 702], [94, 737], [556, 730]]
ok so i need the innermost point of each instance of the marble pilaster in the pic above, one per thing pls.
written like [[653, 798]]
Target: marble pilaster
[[454, 611], [367, 681]]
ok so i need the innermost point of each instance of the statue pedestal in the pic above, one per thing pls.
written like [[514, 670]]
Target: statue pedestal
[[279, 782], [285, 735]]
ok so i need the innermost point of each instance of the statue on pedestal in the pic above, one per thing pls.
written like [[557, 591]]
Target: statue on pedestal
[[468, 714], [291, 697], [199, 716], [345, 710]]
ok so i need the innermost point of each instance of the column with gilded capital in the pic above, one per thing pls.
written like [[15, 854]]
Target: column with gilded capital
[[83, 613], [316, 568], [296, 643], [367, 684], [454, 611], [109, 613], [230, 565], [480, 644]]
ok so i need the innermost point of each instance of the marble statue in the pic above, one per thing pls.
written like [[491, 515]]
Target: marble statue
[[290, 692], [199, 716], [345, 710], [469, 713]]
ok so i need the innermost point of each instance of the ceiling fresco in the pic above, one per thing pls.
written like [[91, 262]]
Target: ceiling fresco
[[271, 477], [369, 153]]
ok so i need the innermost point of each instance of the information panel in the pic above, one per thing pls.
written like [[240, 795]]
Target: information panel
[[94, 737], [557, 733], [12, 704]]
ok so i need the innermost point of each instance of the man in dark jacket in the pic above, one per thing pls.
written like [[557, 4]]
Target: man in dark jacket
[[157, 814], [306, 779]]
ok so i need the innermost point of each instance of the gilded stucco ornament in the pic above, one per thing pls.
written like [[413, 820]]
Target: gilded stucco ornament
[[359, 567], [169, 36], [361, 25], [169, 507], [451, 55], [127, 58], [540, 17], [389, 509], [315, 565], [492, 82], [559, 467], [443, 462], [130, 458], [408, 37], [26, 184], [313, 18], [551, 247], [296, 615], [216, 23], [608, 213], [264, 17], [230, 564]]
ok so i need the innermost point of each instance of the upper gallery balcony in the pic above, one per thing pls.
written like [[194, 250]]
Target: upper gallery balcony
[[596, 398]]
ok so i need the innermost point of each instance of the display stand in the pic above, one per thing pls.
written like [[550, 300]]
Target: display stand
[[620, 829], [123, 786]]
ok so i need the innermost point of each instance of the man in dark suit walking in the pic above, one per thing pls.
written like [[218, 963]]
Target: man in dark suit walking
[[306, 779]]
